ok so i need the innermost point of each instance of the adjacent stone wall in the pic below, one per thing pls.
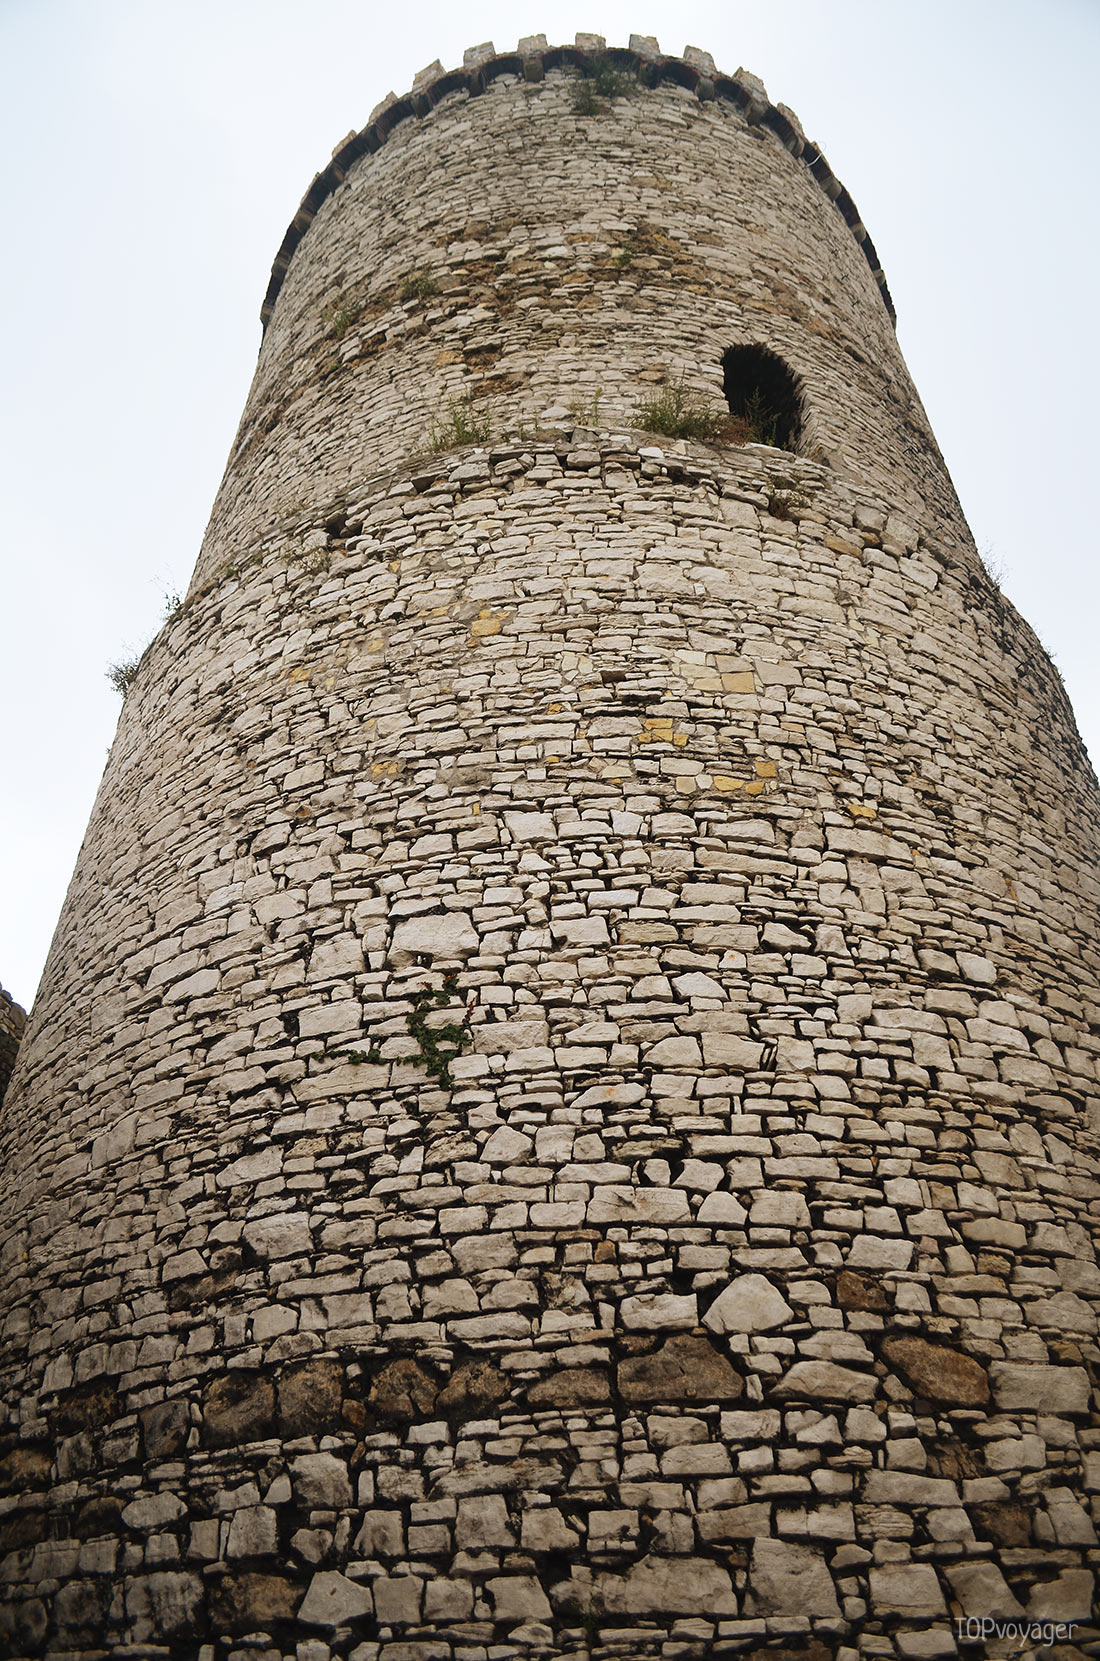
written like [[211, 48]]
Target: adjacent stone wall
[[12, 1021], [561, 1118]]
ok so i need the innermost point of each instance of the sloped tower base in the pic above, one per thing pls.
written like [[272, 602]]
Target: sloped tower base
[[562, 1114]]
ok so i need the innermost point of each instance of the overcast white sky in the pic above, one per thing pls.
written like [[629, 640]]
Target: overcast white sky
[[153, 151]]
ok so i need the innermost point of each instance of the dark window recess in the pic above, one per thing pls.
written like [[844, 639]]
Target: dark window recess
[[763, 394]]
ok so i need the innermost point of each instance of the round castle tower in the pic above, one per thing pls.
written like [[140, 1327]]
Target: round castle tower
[[561, 1117]]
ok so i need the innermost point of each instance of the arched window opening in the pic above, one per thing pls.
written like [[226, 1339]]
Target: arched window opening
[[763, 395]]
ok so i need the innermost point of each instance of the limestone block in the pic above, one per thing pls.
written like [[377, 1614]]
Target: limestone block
[[518, 1597], [778, 1209], [1069, 1519], [722, 1211], [724, 1049], [153, 1511], [684, 1585], [333, 1599], [826, 1381], [397, 1599], [252, 1532], [444, 935], [1068, 1597], [175, 1599], [907, 1488], [784, 1577], [1033, 1388], [659, 1312], [483, 1522], [382, 1534], [674, 1052], [285, 1234], [981, 1590], [614, 1203], [749, 1304], [321, 1480], [505, 1037], [910, 1589], [544, 1529]]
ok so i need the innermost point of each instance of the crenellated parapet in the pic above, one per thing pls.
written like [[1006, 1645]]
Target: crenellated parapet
[[531, 62]]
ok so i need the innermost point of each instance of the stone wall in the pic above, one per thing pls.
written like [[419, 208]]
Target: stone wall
[[534, 270], [562, 1115], [12, 1021]]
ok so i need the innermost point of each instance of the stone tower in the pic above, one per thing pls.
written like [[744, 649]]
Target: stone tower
[[561, 1115]]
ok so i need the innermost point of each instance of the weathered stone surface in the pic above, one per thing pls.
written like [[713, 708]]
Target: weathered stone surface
[[910, 1589], [1039, 1389], [827, 1381], [471, 1389], [677, 775], [982, 1590], [23, 1625], [659, 1311], [403, 1390], [572, 1387], [333, 1599], [749, 1304], [320, 1479], [176, 1601], [90, 1407], [518, 1598], [937, 1372], [785, 1578], [164, 1429], [286, 1234], [679, 1585], [685, 1368], [443, 935], [24, 1467], [252, 1602], [237, 1407], [859, 1292], [308, 1398], [1009, 1525]]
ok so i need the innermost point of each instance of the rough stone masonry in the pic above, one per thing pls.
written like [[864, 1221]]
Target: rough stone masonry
[[561, 1118]]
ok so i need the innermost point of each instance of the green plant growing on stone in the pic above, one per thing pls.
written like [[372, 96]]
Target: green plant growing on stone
[[587, 414], [338, 319], [598, 82], [462, 425], [418, 285], [438, 1045], [372, 1057], [784, 499], [993, 565], [625, 254], [677, 411], [123, 674], [173, 605], [755, 421]]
